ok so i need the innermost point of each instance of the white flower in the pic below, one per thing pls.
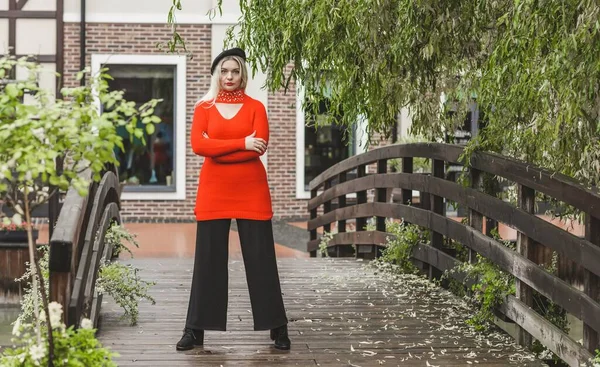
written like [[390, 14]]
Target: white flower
[[16, 331], [55, 310], [37, 352], [17, 219], [42, 315], [87, 324]]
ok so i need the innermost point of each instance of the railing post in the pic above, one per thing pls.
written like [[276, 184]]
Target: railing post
[[406, 199], [361, 198], [407, 167], [525, 247], [341, 224], [424, 200], [437, 207], [490, 223], [60, 270], [327, 209], [54, 201], [591, 283], [327, 206], [475, 218], [380, 197], [313, 215], [381, 193]]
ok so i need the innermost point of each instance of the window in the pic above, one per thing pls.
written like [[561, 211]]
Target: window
[[151, 167], [149, 160], [324, 146], [473, 121]]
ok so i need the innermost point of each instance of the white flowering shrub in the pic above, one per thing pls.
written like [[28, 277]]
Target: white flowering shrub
[[117, 235], [37, 127], [72, 348], [124, 285], [30, 296]]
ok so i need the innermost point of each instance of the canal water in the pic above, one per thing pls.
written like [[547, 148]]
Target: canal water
[[8, 314]]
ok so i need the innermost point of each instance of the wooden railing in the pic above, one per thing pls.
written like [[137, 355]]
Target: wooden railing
[[579, 298], [77, 247]]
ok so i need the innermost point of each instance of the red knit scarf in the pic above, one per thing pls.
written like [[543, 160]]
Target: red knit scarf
[[236, 96]]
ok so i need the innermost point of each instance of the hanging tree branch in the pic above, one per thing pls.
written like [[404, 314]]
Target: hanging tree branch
[[532, 67]]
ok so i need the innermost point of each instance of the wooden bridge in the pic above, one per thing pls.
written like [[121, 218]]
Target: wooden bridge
[[575, 287], [345, 311], [341, 311]]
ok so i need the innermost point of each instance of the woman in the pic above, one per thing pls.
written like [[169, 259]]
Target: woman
[[231, 131]]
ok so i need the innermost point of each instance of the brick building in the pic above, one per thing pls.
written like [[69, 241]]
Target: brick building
[[161, 176]]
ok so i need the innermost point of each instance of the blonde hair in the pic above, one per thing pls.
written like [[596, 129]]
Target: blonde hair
[[215, 82]]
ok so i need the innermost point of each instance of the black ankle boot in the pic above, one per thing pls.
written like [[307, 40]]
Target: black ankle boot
[[190, 339], [281, 338]]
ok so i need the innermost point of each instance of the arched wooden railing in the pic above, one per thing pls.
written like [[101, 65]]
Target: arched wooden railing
[[77, 247], [331, 189]]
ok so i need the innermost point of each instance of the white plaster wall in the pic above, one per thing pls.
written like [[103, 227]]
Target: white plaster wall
[[40, 5], [36, 36], [147, 11], [136, 6], [404, 123], [229, 6], [46, 78], [3, 36]]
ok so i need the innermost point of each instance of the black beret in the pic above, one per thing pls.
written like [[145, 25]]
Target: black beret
[[231, 52]]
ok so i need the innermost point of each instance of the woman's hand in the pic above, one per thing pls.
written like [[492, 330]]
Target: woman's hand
[[255, 144]]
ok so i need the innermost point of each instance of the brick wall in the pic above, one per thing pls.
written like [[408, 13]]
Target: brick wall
[[282, 155], [142, 39]]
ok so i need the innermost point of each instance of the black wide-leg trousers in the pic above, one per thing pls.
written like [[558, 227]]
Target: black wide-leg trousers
[[207, 309]]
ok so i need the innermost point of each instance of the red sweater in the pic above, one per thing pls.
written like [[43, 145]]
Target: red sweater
[[233, 181]]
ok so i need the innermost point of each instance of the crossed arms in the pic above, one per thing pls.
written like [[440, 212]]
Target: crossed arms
[[226, 150]]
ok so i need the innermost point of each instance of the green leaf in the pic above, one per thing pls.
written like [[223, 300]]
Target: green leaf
[[54, 180], [150, 129], [11, 90]]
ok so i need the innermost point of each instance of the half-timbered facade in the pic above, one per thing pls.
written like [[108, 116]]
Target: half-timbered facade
[[160, 176]]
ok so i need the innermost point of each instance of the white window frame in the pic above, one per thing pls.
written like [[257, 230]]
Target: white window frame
[[361, 139], [180, 116]]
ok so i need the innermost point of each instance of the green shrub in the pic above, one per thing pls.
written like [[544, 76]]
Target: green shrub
[[72, 347], [401, 242], [116, 235], [124, 285], [324, 242]]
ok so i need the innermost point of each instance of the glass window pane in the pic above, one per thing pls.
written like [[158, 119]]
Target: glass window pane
[[147, 162], [324, 146]]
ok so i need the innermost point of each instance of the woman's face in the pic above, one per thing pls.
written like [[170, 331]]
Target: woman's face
[[231, 75]]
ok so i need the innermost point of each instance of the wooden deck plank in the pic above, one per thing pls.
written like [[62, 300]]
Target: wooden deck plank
[[341, 313]]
